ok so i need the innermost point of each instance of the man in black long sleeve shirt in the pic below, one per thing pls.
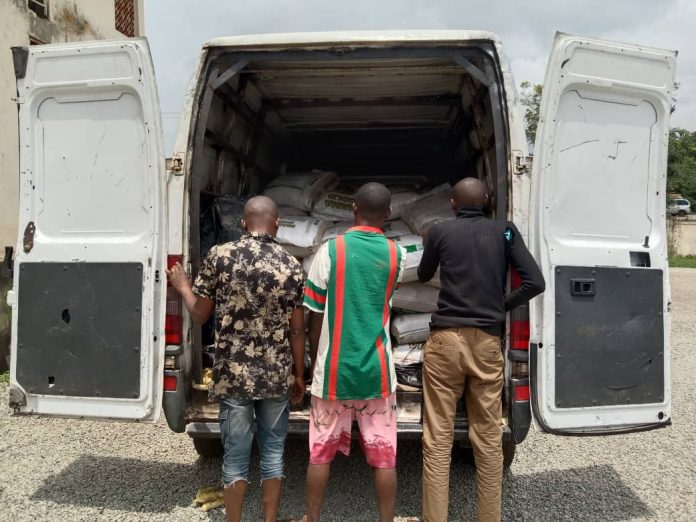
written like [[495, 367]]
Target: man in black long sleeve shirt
[[463, 355]]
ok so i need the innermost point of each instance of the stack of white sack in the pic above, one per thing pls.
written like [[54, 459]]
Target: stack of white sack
[[401, 197], [410, 328], [300, 189], [285, 211], [301, 235], [430, 208], [415, 297], [335, 204]]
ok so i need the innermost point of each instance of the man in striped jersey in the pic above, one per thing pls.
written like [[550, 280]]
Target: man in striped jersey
[[349, 291]]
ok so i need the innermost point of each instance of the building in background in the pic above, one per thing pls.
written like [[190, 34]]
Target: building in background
[[33, 22]]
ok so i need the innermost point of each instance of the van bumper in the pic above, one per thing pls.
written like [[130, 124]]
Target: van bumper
[[405, 430]]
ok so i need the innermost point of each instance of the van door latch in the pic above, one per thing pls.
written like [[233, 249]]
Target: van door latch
[[582, 287], [175, 165], [28, 241]]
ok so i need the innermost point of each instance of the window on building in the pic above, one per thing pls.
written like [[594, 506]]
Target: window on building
[[124, 11], [40, 7]]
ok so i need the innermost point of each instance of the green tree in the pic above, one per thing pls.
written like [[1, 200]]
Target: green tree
[[530, 96], [681, 163]]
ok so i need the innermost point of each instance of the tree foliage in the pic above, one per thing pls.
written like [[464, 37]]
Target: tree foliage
[[530, 96], [681, 163]]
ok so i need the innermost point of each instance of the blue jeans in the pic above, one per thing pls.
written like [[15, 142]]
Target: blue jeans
[[237, 429]]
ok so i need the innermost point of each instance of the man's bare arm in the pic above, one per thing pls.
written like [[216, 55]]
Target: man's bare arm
[[297, 343], [199, 307], [315, 321]]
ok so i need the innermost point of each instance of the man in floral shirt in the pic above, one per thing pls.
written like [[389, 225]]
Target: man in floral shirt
[[256, 289]]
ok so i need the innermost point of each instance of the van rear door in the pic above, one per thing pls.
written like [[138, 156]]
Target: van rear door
[[89, 278], [600, 333]]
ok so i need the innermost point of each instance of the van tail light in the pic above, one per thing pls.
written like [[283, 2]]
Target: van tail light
[[174, 321], [522, 392], [169, 383], [519, 318]]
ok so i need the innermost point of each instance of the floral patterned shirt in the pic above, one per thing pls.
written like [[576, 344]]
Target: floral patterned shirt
[[256, 285]]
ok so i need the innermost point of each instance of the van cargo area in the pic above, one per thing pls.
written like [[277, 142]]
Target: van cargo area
[[416, 115]]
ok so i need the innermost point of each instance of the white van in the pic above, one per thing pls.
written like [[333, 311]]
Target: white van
[[97, 333]]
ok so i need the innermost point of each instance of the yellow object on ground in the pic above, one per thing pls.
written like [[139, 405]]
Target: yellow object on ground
[[209, 498]]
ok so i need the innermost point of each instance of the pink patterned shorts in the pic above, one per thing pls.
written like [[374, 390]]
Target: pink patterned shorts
[[330, 424]]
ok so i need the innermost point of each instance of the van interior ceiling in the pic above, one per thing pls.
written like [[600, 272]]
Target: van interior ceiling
[[407, 113]]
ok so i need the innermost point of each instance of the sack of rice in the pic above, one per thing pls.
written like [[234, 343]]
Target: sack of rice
[[335, 205], [410, 328], [284, 211], [229, 211], [396, 228], [401, 196], [430, 208], [301, 235], [408, 364], [300, 189], [413, 246], [416, 297], [336, 230]]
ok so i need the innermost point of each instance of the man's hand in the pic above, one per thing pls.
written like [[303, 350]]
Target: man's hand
[[178, 278], [298, 391]]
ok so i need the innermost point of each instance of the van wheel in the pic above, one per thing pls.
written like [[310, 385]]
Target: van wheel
[[509, 447], [208, 448], [681, 213]]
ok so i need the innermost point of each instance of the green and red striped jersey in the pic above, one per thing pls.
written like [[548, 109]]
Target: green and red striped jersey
[[351, 281]]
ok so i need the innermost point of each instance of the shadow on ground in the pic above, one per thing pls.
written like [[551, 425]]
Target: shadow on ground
[[594, 493]]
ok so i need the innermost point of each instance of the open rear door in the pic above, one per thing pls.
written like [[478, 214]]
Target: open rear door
[[600, 333], [87, 335]]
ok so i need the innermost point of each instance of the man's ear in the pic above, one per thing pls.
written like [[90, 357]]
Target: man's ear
[[389, 212], [355, 209], [244, 225], [454, 205]]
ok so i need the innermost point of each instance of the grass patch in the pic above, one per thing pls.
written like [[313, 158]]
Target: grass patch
[[4, 377], [683, 261]]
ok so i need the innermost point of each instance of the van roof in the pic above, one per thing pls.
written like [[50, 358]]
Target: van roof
[[314, 39]]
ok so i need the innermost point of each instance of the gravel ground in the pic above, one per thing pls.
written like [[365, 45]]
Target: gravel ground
[[78, 470]]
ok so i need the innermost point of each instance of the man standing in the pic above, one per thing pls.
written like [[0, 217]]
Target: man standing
[[463, 353], [256, 288], [349, 291]]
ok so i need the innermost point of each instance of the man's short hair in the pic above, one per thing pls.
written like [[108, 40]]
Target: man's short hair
[[373, 200]]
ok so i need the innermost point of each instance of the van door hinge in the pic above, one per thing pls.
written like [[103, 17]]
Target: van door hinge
[[175, 164], [520, 165], [18, 99]]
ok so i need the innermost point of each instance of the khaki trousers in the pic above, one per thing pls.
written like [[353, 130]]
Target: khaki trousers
[[464, 361]]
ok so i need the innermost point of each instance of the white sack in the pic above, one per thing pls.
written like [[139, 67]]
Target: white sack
[[334, 205], [410, 328], [416, 297], [300, 189], [336, 230], [396, 228], [401, 197], [285, 211], [301, 235], [413, 247], [432, 207], [407, 354]]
